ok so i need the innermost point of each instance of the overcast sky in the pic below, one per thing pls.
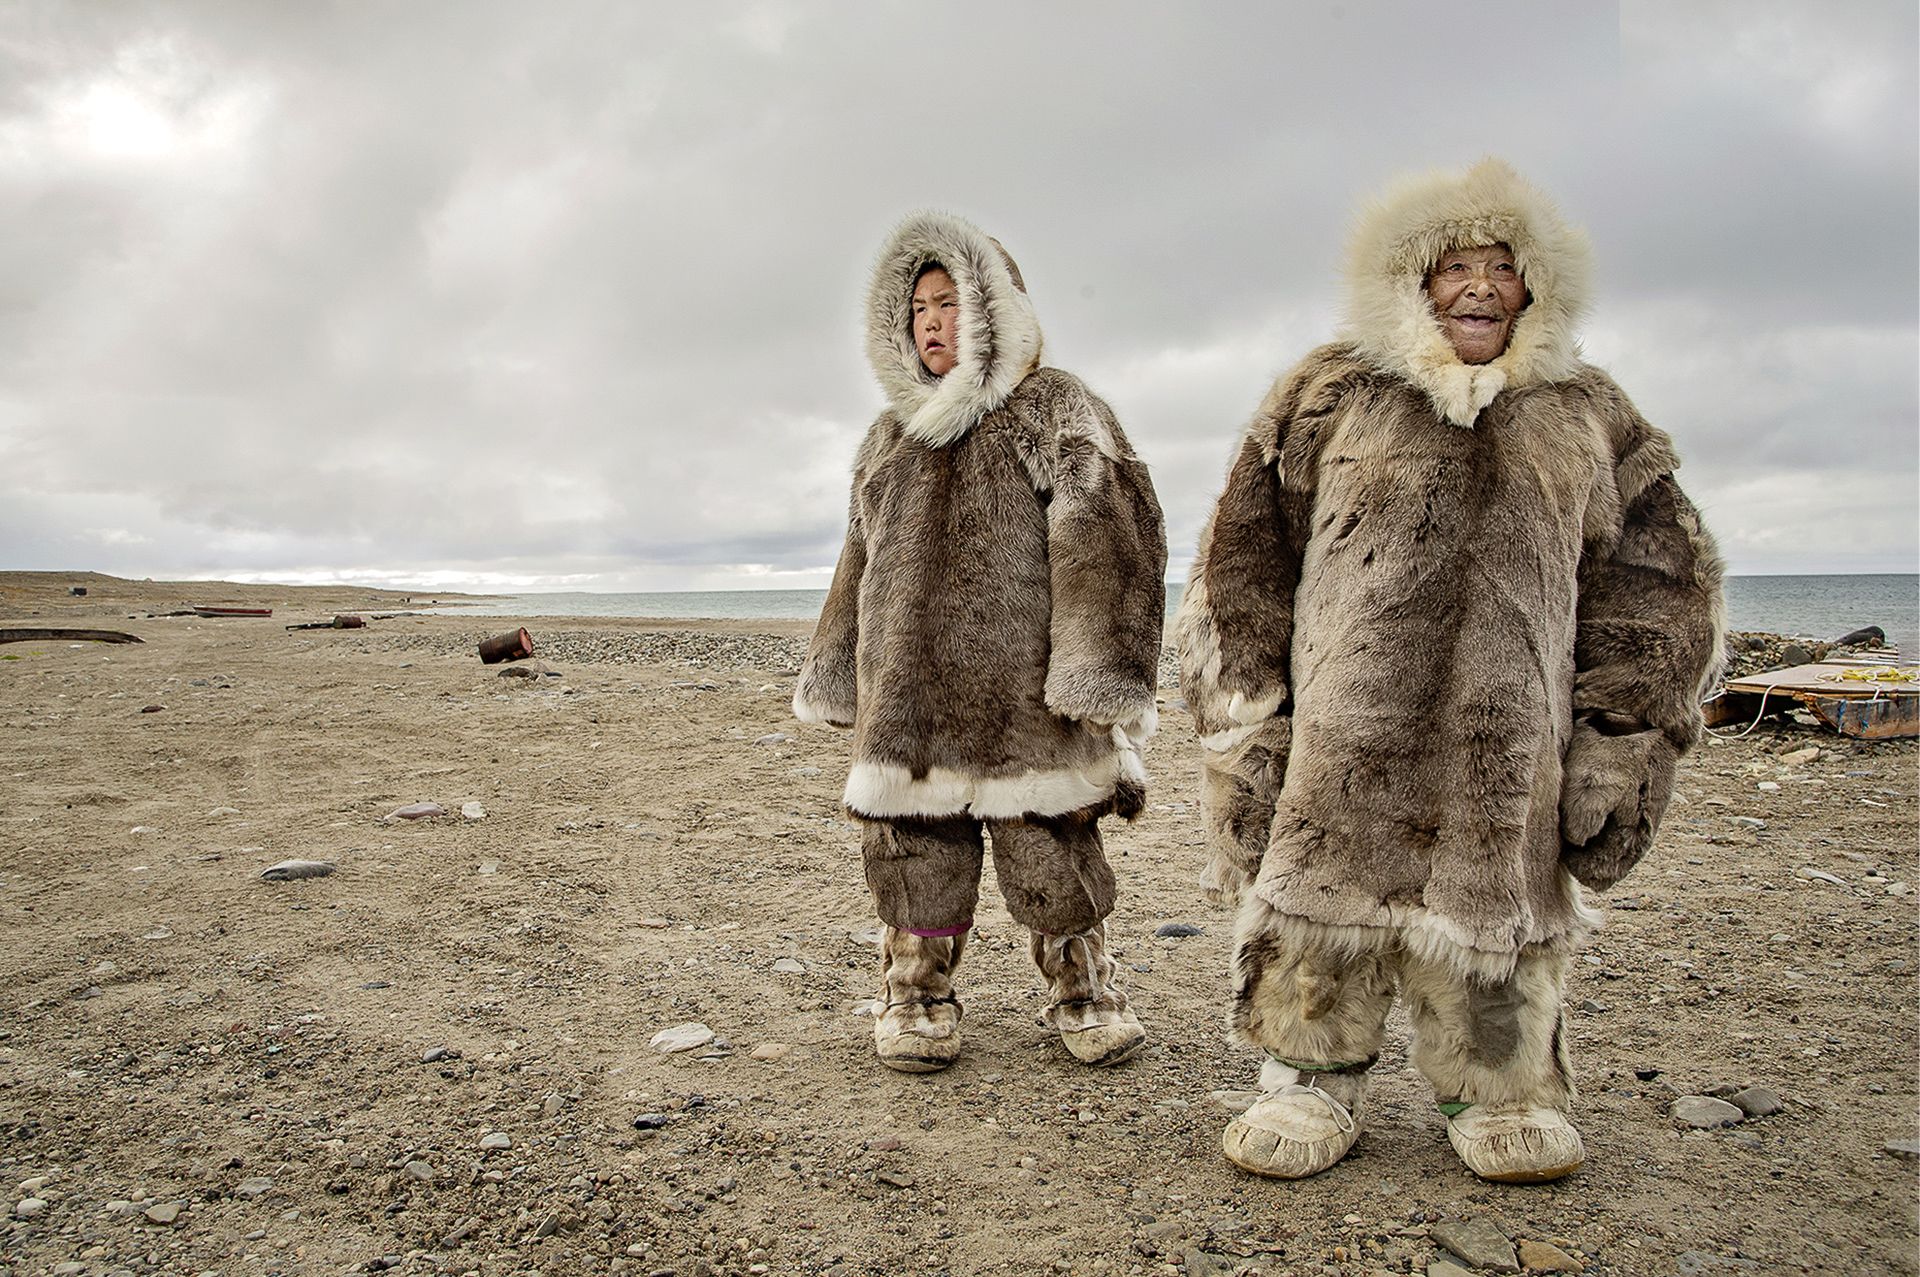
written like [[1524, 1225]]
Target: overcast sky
[[568, 295]]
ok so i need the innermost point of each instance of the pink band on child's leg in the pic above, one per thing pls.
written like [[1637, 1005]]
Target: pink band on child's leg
[[940, 932]]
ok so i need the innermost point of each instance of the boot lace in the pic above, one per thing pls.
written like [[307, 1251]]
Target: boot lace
[[1342, 1116]]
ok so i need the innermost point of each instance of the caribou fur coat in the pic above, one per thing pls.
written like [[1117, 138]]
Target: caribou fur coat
[[992, 633], [1448, 626]]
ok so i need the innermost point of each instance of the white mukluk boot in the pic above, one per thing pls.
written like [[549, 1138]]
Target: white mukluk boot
[[916, 1024], [1305, 1122], [1085, 1006], [1514, 1143]]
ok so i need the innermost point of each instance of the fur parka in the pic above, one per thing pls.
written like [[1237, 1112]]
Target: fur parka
[[992, 632], [1448, 626]]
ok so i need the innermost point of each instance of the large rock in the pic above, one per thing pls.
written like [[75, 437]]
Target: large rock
[[1478, 1244], [1704, 1113]]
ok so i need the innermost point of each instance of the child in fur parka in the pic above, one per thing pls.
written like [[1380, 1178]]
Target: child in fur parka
[[992, 637], [1444, 642]]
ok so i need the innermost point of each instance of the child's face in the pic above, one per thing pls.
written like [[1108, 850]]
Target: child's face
[[936, 320]]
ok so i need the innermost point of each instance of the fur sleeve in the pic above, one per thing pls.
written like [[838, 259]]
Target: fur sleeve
[[1107, 556], [1235, 624], [1648, 644], [829, 677]]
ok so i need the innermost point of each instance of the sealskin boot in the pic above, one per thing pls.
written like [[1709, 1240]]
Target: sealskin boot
[[916, 1026], [1514, 1143], [1086, 1008], [1304, 1123]]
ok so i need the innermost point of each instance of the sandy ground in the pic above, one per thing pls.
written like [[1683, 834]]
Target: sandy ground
[[202, 1071]]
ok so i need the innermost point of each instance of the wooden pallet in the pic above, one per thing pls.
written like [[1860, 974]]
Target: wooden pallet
[[1870, 709]]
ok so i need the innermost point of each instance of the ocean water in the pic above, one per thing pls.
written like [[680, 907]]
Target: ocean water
[[1819, 607]]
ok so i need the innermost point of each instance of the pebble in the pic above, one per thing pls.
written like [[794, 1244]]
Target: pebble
[[651, 1121], [293, 870], [29, 1207], [435, 1054], [789, 966], [493, 1140], [1756, 1101], [218, 812], [1545, 1257], [1477, 1243], [1235, 1101], [1748, 822], [253, 1186], [1205, 1263], [1176, 929], [162, 1212], [1704, 1113], [805, 773], [896, 1179], [554, 1104], [473, 811], [487, 868], [770, 1051], [1768, 786], [1820, 875], [1800, 756], [681, 1037], [417, 1169], [1447, 1268], [772, 738], [1909, 1149], [416, 811], [1593, 1008]]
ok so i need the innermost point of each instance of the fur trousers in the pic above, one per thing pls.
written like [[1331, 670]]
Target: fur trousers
[[1321, 1008], [925, 872]]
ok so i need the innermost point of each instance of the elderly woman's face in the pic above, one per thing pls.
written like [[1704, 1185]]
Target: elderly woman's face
[[1476, 294], [936, 319]]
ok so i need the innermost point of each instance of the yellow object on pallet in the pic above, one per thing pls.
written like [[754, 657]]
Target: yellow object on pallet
[[1880, 674]]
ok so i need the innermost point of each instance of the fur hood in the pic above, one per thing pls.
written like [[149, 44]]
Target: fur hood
[[1400, 237], [999, 337]]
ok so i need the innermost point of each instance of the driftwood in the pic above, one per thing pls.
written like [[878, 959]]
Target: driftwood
[[35, 635]]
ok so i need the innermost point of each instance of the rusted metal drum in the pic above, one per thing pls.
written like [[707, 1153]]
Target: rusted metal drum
[[511, 646], [349, 622]]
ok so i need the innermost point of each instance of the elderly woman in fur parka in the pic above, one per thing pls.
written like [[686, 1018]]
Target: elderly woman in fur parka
[[992, 637], [1443, 642]]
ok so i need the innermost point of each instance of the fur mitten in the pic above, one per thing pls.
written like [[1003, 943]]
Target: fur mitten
[[1238, 787], [1613, 791]]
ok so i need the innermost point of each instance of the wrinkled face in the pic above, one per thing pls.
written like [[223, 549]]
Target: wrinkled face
[[1476, 294], [936, 319]]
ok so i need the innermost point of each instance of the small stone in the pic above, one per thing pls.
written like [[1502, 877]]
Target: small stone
[[548, 1226], [1545, 1257], [218, 812], [1205, 1263], [435, 1054], [162, 1212], [1756, 1101], [789, 966], [884, 1144], [1799, 756], [1591, 1007], [1477, 1243], [1748, 822], [473, 811], [681, 1037], [487, 868], [1704, 1113], [1236, 1101], [1768, 786], [417, 1169], [1909, 1149], [494, 1140], [1820, 875], [554, 1104], [895, 1179], [32, 1187], [651, 1121], [773, 738], [1447, 1268], [1176, 929], [1899, 889], [253, 1186], [805, 773], [29, 1207], [417, 811], [294, 870], [769, 1051]]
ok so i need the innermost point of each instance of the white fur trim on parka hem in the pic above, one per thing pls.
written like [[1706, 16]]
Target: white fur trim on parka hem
[[889, 791], [999, 339], [1399, 238]]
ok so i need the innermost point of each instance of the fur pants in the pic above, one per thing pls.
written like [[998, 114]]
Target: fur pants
[[1478, 1042], [925, 872]]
